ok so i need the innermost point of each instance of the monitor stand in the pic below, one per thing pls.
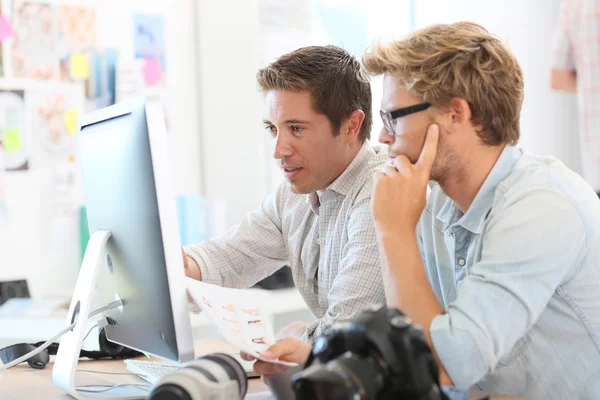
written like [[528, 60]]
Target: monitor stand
[[67, 357]]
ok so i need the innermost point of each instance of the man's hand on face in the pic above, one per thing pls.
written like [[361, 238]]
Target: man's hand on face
[[399, 196], [287, 349]]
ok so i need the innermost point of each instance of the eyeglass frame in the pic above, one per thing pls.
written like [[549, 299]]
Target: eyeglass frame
[[388, 116]]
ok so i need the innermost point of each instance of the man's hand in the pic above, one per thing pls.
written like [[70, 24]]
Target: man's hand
[[287, 349], [400, 192], [192, 269]]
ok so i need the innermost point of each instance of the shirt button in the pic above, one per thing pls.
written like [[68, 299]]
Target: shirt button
[[461, 262]]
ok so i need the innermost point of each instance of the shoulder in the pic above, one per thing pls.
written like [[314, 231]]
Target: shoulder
[[368, 177]]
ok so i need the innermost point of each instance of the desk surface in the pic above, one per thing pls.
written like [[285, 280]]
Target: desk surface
[[24, 383]]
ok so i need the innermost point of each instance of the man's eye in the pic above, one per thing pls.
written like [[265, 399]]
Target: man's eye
[[272, 129], [297, 129]]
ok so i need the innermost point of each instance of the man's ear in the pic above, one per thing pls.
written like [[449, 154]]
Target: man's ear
[[460, 111], [455, 114], [352, 125]]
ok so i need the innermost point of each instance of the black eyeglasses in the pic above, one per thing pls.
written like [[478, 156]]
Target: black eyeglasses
[[388, 116]]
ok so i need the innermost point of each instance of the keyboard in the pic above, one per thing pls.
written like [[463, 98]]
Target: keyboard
[[152, 371]]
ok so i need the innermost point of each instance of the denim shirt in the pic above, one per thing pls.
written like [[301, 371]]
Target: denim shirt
[[519, 278]]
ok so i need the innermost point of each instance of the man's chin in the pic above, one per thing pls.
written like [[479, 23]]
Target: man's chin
[[297, 188]]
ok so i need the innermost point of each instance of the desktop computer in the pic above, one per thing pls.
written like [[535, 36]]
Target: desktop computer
[[134, 252]]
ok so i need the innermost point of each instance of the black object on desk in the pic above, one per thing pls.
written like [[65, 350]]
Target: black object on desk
[[13, 289]]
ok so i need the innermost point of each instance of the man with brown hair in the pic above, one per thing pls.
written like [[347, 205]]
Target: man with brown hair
[[500, 265], [318, 113]]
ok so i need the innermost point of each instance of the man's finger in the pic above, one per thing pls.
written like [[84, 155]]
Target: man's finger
[[402, 164], [281, 348], [265, 368], [429, 151], [389, 170]]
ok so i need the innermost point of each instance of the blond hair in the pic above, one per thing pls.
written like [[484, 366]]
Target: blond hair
[[463, 60]]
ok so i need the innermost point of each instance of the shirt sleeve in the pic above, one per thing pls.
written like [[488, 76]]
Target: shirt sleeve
[[358, 283], [249, 252], [533, 244], [562, 46]]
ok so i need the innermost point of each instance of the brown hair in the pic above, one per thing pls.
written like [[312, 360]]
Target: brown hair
[[464, 60], [332, 77]]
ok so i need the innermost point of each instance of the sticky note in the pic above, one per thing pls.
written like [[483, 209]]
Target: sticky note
[[152, 71], [71, 121], [6, 28], [80, 66], [12, 140]]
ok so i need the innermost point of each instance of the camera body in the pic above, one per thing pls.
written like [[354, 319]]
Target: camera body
[[379, 354]]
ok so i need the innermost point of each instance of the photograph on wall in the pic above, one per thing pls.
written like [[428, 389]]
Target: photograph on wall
[[149, 45], [76, 42], [54, 113], [3, 204], [14, 137], [34, 48]]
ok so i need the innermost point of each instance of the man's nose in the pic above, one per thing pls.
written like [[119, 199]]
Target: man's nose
[[385, 137], [282, 147]]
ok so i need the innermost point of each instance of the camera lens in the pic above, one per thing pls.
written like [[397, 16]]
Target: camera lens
[[347, 377], [215, 376], [233, 368]]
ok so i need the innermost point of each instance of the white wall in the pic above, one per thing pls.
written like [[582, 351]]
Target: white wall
[[548, 119], [232, 138], [114, 30]]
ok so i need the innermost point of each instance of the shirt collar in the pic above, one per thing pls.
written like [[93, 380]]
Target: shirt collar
[[346, 182], [474, 218]]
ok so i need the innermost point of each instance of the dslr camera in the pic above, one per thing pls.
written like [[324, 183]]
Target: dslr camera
[[379, 354]]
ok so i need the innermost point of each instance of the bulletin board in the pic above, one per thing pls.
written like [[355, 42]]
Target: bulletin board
[[53, 69]]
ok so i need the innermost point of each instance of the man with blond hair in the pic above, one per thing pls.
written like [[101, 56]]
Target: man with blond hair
[[500, 265]]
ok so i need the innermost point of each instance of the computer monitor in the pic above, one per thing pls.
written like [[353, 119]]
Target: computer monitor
[[127, 190]]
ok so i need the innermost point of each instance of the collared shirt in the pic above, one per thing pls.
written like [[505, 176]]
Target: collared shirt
[[577, 48], [519, 277], [329, 241]]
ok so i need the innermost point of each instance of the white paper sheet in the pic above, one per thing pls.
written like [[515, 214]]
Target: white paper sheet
[[238, 315]]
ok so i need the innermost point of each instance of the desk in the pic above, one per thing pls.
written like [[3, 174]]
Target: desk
[[25, 383]]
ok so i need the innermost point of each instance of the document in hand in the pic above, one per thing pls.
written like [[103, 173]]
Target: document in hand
[[238, 315]]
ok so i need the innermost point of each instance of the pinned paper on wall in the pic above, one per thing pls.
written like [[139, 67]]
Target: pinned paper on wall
[[76, 29], [34, 50], [3, 206], [6, 31], [79, 66], [76, 37], [54, 114], [6, 28], [12, 140], [153, 73], [71, 118], [14, 130], [149, 44]]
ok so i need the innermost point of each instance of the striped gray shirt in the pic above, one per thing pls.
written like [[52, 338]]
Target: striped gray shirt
[[329, 241]]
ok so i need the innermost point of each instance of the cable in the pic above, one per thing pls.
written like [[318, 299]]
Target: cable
[[88, 334], [142, 386], [81, 387], [108, 307]]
